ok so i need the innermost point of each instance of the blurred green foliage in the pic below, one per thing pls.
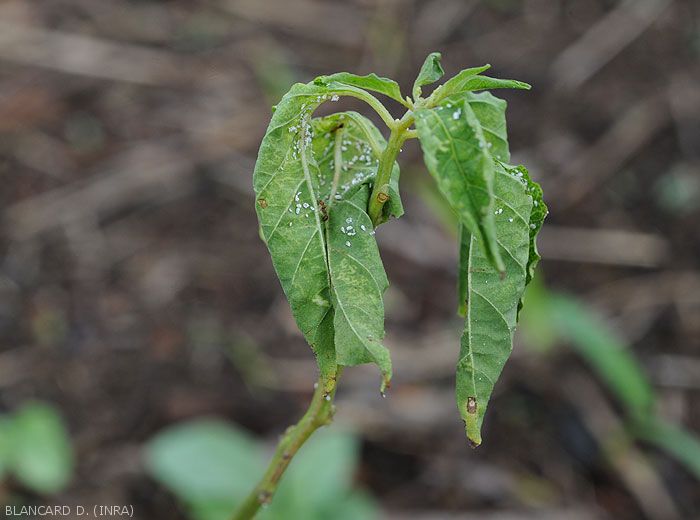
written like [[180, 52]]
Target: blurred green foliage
[[35, 448], [678, 190], [552, 318], [564, 318], [211, 465]]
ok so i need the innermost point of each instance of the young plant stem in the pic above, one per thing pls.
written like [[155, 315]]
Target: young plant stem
[[319, 413], [380, 191]]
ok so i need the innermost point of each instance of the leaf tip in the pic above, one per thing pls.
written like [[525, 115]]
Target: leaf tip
[[471, 422], [386, 384], [473, 432], [435, 58]]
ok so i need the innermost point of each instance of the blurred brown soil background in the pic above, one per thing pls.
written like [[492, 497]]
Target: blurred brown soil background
[[135, 292]]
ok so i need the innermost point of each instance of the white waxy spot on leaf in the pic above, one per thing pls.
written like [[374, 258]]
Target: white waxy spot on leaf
[[318, 300]]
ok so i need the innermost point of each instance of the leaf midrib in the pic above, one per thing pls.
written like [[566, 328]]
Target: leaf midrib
[[454, 155]]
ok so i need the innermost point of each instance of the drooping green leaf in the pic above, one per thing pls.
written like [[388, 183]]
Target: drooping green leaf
[[41, 456], [470, 80], [491, 113], [358, 285], [372, 82], [286, 182], [492, 302], [457, 155], [430, 72], [347, 148], [306, 168]]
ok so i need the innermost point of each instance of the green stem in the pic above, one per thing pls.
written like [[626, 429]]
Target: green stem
[[319, 413], [380, 191]]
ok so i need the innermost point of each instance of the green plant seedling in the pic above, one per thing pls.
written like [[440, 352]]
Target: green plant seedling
[[324, 184]]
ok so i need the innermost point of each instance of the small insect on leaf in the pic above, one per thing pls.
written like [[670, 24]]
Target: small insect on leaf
[[323, 208]]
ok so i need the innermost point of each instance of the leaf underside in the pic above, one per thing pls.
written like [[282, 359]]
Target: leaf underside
[[457, 155], [310, 173]]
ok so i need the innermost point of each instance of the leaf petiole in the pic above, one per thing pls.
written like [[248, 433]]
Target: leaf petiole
[[371, 101], [399, 133]]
